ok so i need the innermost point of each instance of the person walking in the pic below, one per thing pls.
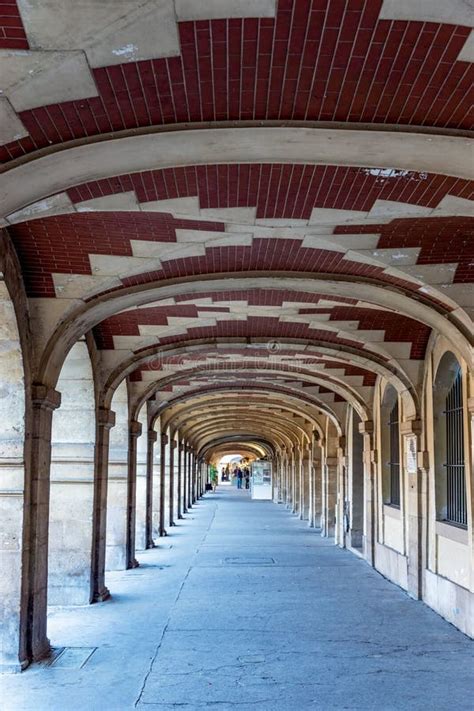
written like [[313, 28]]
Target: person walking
[[239, 478]]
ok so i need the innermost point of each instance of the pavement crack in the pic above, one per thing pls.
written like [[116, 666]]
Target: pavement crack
[[165, 628]]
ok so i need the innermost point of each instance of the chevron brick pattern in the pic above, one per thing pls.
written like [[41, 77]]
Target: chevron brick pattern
[[321, 61], [280, 190]]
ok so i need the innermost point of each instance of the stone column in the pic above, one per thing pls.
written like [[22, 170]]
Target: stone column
[[296, 480], [341, 494], [164, 442], [366, 428], [276, 479], [284, 492], [290, 479], [190, 478], [317, 486], [150, 453], [329, 496], [410, 432], [135, 430], [44, 401], [180, 480], [105, 420], [172, 479], [185, 478], [156, 486], [141, 487], [305, 484], [194, 477]]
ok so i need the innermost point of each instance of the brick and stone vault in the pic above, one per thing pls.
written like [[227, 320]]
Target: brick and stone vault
[[237, 224]]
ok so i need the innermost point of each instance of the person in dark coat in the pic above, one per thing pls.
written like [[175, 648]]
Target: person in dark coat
[[240, 476]]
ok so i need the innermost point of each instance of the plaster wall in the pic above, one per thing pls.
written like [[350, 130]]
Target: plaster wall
[[72, 477]]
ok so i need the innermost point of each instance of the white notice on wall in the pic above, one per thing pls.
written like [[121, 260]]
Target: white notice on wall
[[410, 454]]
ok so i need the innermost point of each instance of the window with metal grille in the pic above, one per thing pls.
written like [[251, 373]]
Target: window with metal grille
[[394, 463], [456, 505]]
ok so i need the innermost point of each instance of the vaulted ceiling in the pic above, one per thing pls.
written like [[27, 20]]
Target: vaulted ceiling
[[260, 199]]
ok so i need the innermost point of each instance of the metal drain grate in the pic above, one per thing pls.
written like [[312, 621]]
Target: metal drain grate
[[70, 657], [248, 561]]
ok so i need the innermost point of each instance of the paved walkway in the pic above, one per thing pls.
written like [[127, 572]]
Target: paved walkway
[[244, 607]]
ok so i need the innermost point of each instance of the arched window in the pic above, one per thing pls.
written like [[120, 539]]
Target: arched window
[[451, 502], [394, 462], [390, 435]]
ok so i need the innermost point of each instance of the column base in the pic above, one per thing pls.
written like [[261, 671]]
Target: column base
[[42, 651], [102, 595], [133, 564]]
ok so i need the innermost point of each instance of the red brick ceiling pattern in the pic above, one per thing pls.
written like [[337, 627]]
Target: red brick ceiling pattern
[[281, 190], [323, 60], [63, 244], [258, 356], [397, 327], [318, 60], [443, 240], [12, 33]]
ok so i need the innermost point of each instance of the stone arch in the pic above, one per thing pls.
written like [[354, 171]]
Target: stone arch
[[448, 371], [79, 319]]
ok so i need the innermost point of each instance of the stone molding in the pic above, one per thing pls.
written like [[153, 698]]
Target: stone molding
[[44, 397], [135, 428], [105, 417], [411, 427], [366, 427]]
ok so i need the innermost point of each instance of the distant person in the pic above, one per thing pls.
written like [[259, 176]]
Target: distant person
[[240, 476], [247, 478]]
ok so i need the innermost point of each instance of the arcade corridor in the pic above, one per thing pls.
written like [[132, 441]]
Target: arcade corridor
[[236, 231], [245, 607]]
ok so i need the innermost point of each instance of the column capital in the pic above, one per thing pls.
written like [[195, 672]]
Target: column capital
[[44, 397], [366, 427], [173, 444], [410, 427], [470, 405], [181, 447], [164, 438], [135, 428], [152, 435], [105, 417]]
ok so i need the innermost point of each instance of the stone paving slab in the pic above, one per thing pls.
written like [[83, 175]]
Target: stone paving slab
[[316, 629]]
